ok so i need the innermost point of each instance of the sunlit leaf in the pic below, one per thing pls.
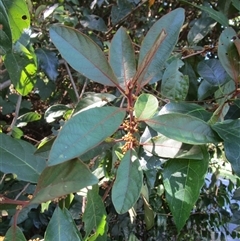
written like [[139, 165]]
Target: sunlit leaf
[[82, 54], [28, 117], [54, 112], [17, 156], [183, 180], [128, 183], [62, 179], [122, 58], [84, 131]]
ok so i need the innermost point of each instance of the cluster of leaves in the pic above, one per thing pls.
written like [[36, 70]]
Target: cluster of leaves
[[151, 151]]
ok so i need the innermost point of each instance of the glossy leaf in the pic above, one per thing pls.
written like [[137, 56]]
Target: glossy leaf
[[5, 31], [228, 54], [183, 128], [48, 62], [17, 156], [145, 106], [174, 84], [14, 233], [171, 23], [232, 152], [54, 112], [183, 180], [84, 131], [127, 186], [212, 71], [61, 227], [82, 54], [19, 17], [94, 216], [22, 68], [93, 22], [122, 58], [63, 179], [28, 117], [228, 130]]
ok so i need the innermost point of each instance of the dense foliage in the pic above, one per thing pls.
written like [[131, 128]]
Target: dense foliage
[[119, 120]]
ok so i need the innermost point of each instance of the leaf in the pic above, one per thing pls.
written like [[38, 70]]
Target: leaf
[[212, 71], [228, 130], [93, 22], [171, 24], [19, 17], [22, 68], [150, 3], [205, 90], [122, 58], [216, 15], [48, 62], [174, 84], [145, 106], [84, 131], [183, 180], [127, 186], [148, 214], [184, 128], [5, 31], [232, 152], [82, 54], [201, 27], [14, 233], [17, 157], [228, 54], [94, 216], [54, 112], [61, 227], [28, 117], [236, 4], [63, 179]]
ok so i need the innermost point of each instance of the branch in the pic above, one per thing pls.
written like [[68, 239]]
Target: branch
[[5, 84]]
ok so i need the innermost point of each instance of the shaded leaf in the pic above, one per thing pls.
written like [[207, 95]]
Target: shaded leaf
[[94, 216], [183, 128], [5, 31], [174, 84], [48, 62], [236, 4], [145, 106], [122, 58], [228, 54], [19, 17], [84, 131], [93, 22], [148, 214], [61, 227], [18, 157], [82, 54], [63, 179], [171, 23], [14, 233], [183, 180], [127, 186], [205, 90], [212, 71]]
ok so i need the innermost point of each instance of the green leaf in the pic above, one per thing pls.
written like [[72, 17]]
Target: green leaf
[[174, 84], [5, 31], [48, 62], [84, 131], [165, 147], [171, 23], [94, 216], [54, 112], [82, 54], [17, 157], [145, 106], [61, 227], [122, 58], [63, 179], [228, 54], [183, 180], [236, 4], [22, 68], [232, 152], [14, 233], [228, 130], [28, 117], [93, 22], [216, 15], [19, 17], [183, 128], [128, 184]]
